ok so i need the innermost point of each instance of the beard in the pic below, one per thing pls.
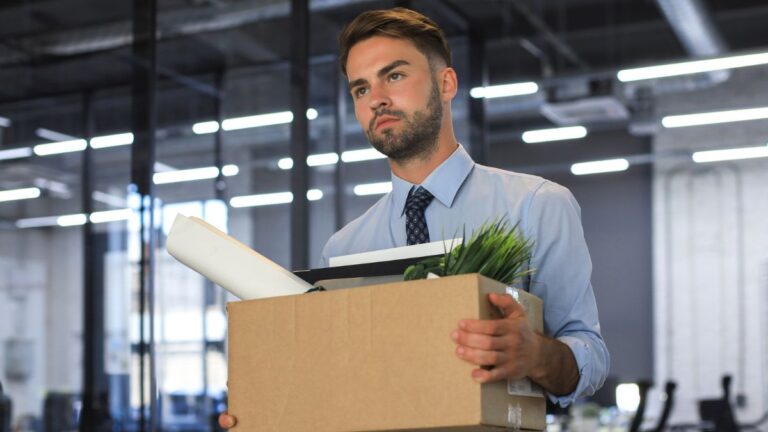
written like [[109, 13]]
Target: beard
[[419, 134]]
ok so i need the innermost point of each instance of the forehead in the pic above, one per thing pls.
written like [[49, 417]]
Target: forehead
[[370, 55]]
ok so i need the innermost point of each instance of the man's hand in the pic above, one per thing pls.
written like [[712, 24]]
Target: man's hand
[[226, 421], [508, 345], [508, 348]]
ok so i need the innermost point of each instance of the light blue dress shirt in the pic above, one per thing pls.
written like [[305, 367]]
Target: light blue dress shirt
[[467, 195]]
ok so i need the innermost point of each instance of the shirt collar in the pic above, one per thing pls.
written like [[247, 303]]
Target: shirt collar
[[444, 182]]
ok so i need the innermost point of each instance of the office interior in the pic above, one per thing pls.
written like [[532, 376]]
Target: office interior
[[116, 116]]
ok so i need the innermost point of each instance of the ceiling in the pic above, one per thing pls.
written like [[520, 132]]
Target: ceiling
[[52, 52]]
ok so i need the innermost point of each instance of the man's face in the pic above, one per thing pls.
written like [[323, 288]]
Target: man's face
[[397, 98]]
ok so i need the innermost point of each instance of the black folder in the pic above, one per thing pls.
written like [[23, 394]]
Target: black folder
[[383, 268]]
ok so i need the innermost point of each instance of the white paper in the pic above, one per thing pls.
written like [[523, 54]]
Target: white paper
[[403, 252], [229, 263]]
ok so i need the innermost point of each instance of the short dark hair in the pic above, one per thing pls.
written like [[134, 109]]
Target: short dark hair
[[400, 23]]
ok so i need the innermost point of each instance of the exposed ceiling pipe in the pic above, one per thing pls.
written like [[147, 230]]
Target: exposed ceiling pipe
[[176, 23], [694, 27]]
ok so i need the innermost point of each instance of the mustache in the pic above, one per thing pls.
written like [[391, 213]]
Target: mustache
[[381, 112]]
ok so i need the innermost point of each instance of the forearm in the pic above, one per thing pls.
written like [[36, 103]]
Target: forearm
[[556, 369]]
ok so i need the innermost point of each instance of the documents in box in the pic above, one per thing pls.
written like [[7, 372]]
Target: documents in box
[[371, 359]]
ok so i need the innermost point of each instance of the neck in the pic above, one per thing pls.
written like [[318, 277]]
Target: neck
[[416, 169]]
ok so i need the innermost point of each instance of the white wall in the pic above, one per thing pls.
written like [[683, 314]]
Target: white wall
[[711, 252]]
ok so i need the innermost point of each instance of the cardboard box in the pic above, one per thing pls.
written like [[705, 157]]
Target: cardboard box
[[371, 359]]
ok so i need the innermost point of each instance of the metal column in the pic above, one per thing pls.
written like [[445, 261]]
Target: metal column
[[142, 167], [299, 25]]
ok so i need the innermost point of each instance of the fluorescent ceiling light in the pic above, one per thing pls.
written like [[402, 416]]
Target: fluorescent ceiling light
[[322, 159], [71, 220], [37, 222], [5, 122], [361, 155], [60, 147], [257, 121], [253, 121], [185, 175], [372, 188], [504, 90], [730, 116], [19, 194], [112, 140], [193, 174], [16, 153], [285, 163], [161, 167], [110, 216], [691, 67], [53, 135], [556, 134], [730, 154], [314, 194], [271, 198], [312, 160], [230, 170], [602, 166], [205, 127]]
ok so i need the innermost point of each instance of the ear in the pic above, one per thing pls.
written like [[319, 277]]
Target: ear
[[449, 84]]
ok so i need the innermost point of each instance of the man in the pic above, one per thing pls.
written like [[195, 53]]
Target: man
[[399, 69]]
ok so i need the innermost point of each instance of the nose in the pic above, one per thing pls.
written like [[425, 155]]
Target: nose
[[379, 98]]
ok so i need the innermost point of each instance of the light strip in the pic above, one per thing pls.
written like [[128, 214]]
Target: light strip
[[19, 194], [322, 159], [17, 153], [194, 174], [60, 147], [271, 198], [246, 122], [730, 154], [5, 122], [37, 222], [556, 134], [112, 140], [71, 220], [372, 188], [110, 216], [692, 67], [730, 116], [602, 166], [504, 90], [361, 155]]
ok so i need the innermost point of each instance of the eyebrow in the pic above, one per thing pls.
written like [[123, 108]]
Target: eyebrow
[[383, 71]]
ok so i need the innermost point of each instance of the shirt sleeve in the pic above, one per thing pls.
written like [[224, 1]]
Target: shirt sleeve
[[562, 279]]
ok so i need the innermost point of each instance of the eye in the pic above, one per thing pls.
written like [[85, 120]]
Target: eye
[[395, 76], [360, 91]]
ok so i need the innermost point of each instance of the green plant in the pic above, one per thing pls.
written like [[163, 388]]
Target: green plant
[[496, 250]]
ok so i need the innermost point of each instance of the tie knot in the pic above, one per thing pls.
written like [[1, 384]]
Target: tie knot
[[418, 199]]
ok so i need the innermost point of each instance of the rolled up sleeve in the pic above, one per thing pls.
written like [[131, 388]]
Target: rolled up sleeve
[[562, 279]]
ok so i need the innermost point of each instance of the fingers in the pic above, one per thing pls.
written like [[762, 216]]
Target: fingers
[[227, 421], [477, 340], [485, 327], [490, 375], [509, 306], [480, 357]]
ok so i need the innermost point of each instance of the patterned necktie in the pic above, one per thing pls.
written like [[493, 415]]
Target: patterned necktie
[[415, 223]]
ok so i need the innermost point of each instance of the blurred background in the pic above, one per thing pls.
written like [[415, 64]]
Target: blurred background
[[115, 116]]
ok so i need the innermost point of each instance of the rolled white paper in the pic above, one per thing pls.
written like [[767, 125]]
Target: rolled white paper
[[229, 263]]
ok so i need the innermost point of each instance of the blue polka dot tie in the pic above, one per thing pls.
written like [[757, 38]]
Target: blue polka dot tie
[[415, 223]]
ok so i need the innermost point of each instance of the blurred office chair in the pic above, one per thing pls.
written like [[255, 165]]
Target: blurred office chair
[[718, 412]]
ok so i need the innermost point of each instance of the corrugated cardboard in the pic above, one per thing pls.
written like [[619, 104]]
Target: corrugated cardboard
[[369, 359]]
